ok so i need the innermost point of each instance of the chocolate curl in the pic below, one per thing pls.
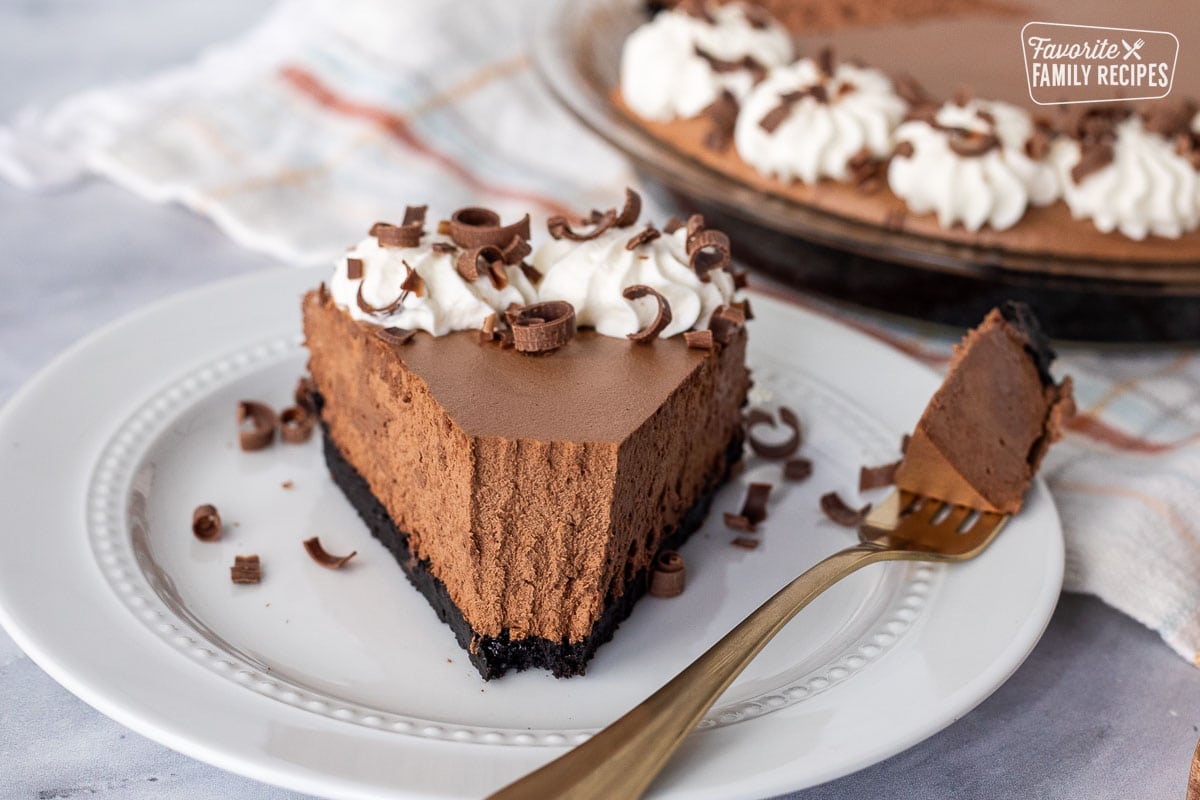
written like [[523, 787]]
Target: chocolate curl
[[414, 216], [784, 449], [531, 273], [722, 118], [542, 327], [779, 114], [877, 477], [317, 552], [972, 144], [246, 569], [206, 523], [630, 211], [699, 340], [305, 394], [256, 425], [669, 576], [516, 250], [487, 331], [903, 150], [646, 235], [757, 70], [797, 469], [474, 226], [490, 257], [296, 425], [836, 509], [661, 319], [444, 248], [382, 311], [395, 336], [825, 61], [354, 268], [912, 92], [725, 322], [389, 235], [707, 250], [413, 283], [560, 228]]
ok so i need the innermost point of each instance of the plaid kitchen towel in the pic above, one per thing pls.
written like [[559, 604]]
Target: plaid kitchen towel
[[331, 113]]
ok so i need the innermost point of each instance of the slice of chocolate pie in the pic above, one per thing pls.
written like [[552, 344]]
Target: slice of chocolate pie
[[526, 438], [984, 433]]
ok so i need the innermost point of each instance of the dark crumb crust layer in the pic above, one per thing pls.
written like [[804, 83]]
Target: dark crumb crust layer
[[495, 655]]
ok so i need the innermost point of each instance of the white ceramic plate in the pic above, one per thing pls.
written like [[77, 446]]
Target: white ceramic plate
[[345, 684]]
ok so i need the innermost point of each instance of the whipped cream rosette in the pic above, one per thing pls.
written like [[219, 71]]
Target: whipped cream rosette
[[973, 162], [681, 61], [1131, 177], [421, 287], [809, 120]]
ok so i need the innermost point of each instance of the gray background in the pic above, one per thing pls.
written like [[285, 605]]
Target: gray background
[[1102, 709]]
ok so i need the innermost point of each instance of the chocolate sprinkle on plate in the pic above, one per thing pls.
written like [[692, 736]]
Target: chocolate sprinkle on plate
[[305, 394], [738, 522], [836, 509], [256, 425], [661, 319], [296, 425], [317, 552], [784, 449], [669, 576], [699, 340], [246, 569], [206, 523], [541, 327], [745, 542], [797, 469], [755, 506], [877, 477]]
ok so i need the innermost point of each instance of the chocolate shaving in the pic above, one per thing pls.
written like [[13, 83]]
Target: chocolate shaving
[[836, 509], [443, 227], [904, 442], [745, 542], [647, 234], [487, 331], [444, 248], [354, 268], [784, 449], [492, 260], [389, 235], [296, 425], [877, 477], [700, 340], [825, 61], [707, 250], [414, 216], [741, 279], [969, 143], [246, 569], [797, 469], [722, 118], [661, 319], [506, 339], [413, 283], [542, 327], [669, 576], [474, 226], [748, 63], [305, 394], [630, 211], [531, 273], [319, 555], [560, 228], [367, 308], [206, 523], [738, 522], [725, 322], [1092, 159], [395, 336], [911, 92], [673, 224], [755, 506], [515, 251], [744, 307], [256, 424], [903, 150], [779, 114]]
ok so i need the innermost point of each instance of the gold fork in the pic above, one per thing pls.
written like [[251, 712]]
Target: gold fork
[[621, 760]]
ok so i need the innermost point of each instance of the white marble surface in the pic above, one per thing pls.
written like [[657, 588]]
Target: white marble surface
[[1101, 709]]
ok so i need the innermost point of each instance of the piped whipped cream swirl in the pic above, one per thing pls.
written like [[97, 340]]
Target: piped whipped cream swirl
[[592, 275], [446, 302], [970, 165], [805, 123], [664, 71], [1146, 188]]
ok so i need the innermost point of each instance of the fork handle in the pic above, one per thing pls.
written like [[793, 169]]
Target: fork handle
[[621, 760]]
